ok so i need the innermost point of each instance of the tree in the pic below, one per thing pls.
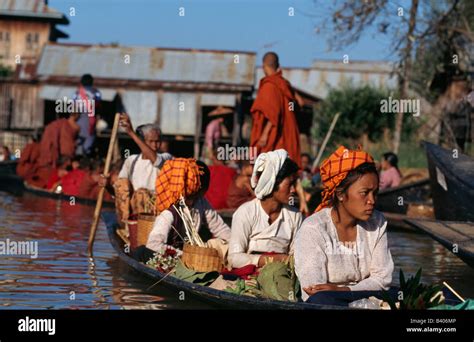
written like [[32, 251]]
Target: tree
[[350, 19], [360, 114], [5, 71]]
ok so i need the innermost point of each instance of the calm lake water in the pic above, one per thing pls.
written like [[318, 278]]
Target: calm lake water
[[63, 277]]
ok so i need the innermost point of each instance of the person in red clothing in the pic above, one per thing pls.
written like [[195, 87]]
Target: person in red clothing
[[59, 139], [56, 175], [240, 190], [72, 181], [28, 159], [89, 187], [221, 178]]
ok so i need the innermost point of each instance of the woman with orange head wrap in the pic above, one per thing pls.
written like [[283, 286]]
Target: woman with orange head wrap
[[343, 246], [187, 179]]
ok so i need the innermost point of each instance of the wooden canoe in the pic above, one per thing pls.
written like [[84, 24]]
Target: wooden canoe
[[14, 184], [221, 298], [398, 199], [458, 237], [452, 183]]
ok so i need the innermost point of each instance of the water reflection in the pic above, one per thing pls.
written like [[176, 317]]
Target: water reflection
[[63, 277]]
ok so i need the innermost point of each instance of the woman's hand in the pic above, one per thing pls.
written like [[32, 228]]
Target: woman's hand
[[311, 290], [125, 123], [304, 208]]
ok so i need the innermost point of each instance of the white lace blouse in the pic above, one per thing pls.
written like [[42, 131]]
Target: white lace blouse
[[321, 258]]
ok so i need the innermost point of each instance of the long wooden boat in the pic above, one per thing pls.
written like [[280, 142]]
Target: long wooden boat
[[12, 183], [397, 199], [221, 298], [452, 183], [458, 237]]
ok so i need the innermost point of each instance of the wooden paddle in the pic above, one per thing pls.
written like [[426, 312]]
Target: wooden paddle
[[100, 198]]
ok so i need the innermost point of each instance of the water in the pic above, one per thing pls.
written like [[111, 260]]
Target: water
[[62, 277]]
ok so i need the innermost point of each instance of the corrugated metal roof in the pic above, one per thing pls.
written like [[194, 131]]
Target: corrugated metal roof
[[147, 64], [354, 66], [318, 82], [178, 113], [29, 8], [50, 92]]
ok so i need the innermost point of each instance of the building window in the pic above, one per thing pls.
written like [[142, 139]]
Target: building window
[[4, 36], [5, 44], [32, 41]]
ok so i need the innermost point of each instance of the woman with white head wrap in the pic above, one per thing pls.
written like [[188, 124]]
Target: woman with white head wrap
[[266, 224]]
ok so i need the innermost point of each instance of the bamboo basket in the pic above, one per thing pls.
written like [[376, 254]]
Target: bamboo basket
[[144, 227], [201, 259]]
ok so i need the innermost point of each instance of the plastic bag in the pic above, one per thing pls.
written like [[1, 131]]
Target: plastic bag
[[371, 303]]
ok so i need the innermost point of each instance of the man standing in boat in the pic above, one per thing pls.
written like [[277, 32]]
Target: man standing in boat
[[90, 98]]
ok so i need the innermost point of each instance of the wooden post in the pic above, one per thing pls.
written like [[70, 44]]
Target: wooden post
[[326, 139], [100, 198], [197, 132]]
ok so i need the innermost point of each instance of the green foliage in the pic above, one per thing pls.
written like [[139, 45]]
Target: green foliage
[[415, 295], [5, 71], [276, 280], [200, 278], [360, 114]]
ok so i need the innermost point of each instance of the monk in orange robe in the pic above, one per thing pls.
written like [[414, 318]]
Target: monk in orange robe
[[28, 160], [59, 139], [274, 123]]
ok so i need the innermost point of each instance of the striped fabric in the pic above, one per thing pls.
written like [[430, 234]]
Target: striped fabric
[[335, 169], [178, 177]]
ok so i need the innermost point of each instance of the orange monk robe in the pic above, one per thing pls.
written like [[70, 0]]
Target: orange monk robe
[[29, 157], [273, 104], [59, 139]]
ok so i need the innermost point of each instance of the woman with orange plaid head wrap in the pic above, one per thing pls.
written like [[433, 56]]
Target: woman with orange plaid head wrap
[[342, 249], [187, 179]]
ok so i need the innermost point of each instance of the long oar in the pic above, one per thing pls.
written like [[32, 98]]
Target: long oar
[[326, 139], [100, 198]]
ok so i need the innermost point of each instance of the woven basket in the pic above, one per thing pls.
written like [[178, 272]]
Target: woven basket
[[201, 259], [144, 227]]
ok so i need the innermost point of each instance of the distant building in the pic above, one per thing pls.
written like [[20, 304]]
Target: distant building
[[175, 88], [25, 27], [324, 75]]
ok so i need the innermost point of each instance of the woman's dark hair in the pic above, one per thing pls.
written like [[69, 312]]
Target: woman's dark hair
[[205, 178], [392, 159], [288, 168], [87, 80], [352, 177]]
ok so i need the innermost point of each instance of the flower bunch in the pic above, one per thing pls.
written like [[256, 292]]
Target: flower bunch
[[165, 260]]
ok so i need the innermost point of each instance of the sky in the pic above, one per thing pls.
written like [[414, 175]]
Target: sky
[[245, 25]]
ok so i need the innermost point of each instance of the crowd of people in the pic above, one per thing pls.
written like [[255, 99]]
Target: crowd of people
[[340, 250]]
